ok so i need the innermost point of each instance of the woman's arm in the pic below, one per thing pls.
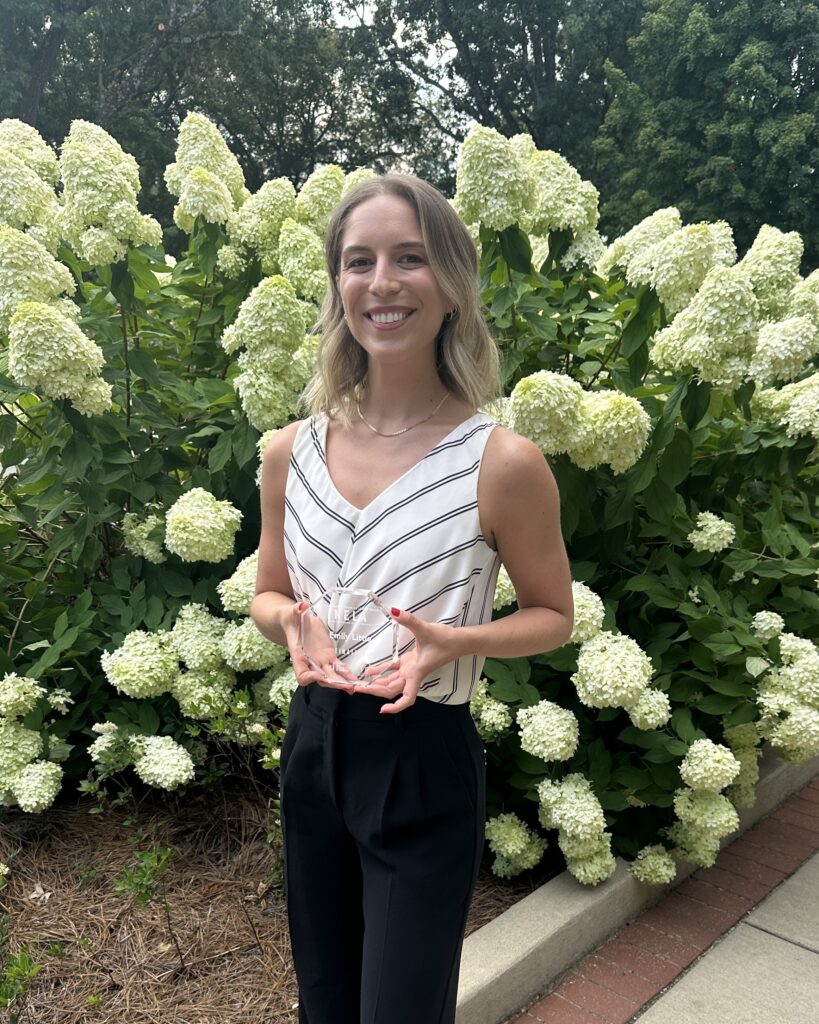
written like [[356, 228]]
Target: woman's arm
[[520, 505], [274, 593]]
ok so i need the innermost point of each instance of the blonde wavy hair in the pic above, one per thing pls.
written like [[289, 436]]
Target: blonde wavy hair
[[466, 353]]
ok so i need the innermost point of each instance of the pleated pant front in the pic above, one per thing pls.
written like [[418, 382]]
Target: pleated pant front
[[383, 823]]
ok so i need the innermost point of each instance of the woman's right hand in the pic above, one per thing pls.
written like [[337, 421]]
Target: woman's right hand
[[316, 661]]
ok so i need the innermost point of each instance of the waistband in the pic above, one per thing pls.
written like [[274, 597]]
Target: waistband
[[330, 703]]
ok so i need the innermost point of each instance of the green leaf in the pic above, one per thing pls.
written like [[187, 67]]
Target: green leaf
[[683, 725], [716, 704], [220, 453], [516, 249], [675, 464], [76, 456]]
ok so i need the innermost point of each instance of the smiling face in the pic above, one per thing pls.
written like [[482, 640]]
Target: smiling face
[[392, 300]]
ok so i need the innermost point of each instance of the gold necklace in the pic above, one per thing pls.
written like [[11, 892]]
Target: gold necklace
[[405, 429]]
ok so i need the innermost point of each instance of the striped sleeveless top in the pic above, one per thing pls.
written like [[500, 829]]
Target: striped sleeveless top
[[418, 545]]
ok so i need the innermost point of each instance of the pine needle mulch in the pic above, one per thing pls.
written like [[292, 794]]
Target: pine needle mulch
[[221, 950]]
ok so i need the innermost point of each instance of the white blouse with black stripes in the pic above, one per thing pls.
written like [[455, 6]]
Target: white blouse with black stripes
[[418, 545]]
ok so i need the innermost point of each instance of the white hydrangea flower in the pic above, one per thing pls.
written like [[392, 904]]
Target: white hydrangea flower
[[135, 534], [231, 261], [617, 431], [586, 249], [26, 201], [18, 747], [701, 846], [204, 195], [492, 717], [676, 266], [716, 334], [794, 406], [301, 258], [772, 263], [594, 869], [106, 741], [245, 649], [516, 847], [318, 197], [493, 185], [199, 527], [783, 349], [204, 693], [261, 444], [648, 232], [196, 637], [612, 671], [59, 700], [500, 410], [94, 399], [571, 806], [741, 795], [48, 351], [99, 214], [504, 590], [748, 775], [548, 731], [797, 736], [271, 319], [793, 648], [18, 694], [574, 848], [654, 865], [28, 273], [145, 665], [163, 763], [706, 811], [739, 736], [589, 613], [712, 533], [200, 144], [29, 146], [37, 786], [766, 625], [560, 199], [266, 390], [257, 224], [237, 591], [281, 685], [709, 766], [651, 711], [356, 177], [548, 408]]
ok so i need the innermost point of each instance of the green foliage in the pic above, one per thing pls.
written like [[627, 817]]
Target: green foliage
[[714, 110]]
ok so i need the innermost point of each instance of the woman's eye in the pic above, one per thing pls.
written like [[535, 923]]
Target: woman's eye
[[413, 256]]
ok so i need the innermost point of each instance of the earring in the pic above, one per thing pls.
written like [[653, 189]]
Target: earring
[[450, 315]]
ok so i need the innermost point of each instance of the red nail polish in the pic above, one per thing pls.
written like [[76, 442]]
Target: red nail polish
[[395, 611]]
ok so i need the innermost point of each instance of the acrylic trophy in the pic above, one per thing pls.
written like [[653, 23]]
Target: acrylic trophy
[[360, 627]]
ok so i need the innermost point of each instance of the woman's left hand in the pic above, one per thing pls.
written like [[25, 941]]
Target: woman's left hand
[[434, 647]]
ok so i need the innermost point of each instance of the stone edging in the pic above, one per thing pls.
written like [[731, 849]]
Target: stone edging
[[514, 957]]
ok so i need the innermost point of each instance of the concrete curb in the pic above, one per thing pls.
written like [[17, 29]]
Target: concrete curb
[[515, 957]]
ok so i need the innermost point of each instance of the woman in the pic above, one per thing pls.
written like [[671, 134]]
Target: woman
[[397, 485]]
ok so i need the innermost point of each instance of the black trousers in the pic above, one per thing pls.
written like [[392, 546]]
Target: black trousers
[[383, 823]]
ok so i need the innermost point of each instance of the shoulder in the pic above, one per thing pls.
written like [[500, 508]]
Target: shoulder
[[511, 458], [276, 455]]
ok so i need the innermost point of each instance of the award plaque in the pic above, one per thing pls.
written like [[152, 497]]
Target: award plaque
[[360, 627]]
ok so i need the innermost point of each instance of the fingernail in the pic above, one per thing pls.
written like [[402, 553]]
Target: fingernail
[[395, 611], [302, 605]]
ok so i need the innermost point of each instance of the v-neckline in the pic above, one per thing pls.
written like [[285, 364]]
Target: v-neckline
[[322, 437]]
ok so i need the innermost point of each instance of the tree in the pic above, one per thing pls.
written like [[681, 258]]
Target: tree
[[289, 87], [715, 112], [532, 66]]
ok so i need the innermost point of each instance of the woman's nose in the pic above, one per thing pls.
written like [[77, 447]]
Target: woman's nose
[[383, 280]]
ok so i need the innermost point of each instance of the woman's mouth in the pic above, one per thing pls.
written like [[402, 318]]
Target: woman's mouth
[[388, 321]]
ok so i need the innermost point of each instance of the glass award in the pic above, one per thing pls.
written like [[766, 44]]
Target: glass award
[[361, 629]]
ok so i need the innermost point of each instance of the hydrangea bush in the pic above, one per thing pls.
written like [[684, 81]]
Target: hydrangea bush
[[669, 380]]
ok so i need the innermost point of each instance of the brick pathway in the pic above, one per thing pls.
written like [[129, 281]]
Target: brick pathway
[[612, 984]]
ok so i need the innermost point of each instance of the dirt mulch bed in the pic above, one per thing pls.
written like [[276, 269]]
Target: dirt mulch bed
[[110, 959]]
